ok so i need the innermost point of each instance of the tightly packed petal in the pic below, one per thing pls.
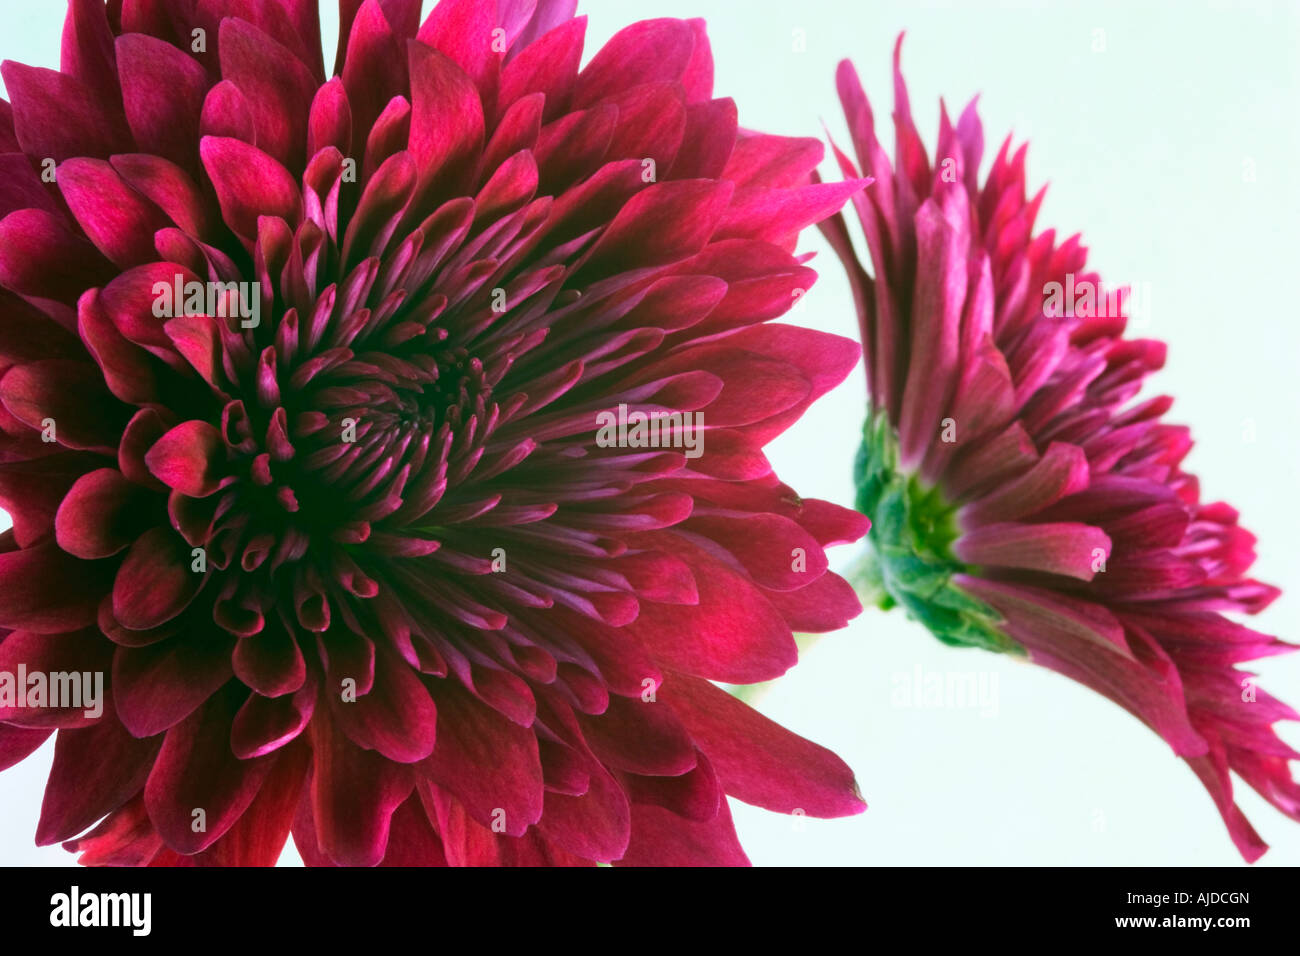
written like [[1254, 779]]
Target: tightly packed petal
[[302, 383], [1022, 499]]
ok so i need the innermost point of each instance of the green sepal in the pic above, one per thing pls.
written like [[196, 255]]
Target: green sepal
[[909, 558]]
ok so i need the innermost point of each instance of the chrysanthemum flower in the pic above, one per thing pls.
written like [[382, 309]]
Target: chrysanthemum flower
[[344, 540], [1021, 500]]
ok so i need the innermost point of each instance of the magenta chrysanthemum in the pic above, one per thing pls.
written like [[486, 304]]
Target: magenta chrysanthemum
[[302, 382], [1020, 500]]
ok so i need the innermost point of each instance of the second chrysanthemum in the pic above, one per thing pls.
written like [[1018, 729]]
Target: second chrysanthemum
[[1021, 499]]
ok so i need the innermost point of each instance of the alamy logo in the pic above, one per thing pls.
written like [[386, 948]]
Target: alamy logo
[[62, 690], [1085, 299], [639, 429], [946, 690], [132, 910], [242, 300]]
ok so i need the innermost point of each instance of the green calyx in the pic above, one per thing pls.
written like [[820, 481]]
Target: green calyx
[[908, 559]]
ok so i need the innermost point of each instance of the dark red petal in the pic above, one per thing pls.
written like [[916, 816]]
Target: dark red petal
[[489, 763], [595, 826], [732, 634], [259, 836], [158, 686], [757, 760], [665, 223], [58, 593], [154, 582], [17, 743], [196, 771], [266, 724], [96, 770], [270, 662], [412, 840], [638, 736], [354, 793], [69, 394], [397, 717], [82, 656], [124, 838], [661, 838], [190, 458], [101, 514], [31, 491]]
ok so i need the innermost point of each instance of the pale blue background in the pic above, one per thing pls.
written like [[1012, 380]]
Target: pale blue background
[[1146, 146]]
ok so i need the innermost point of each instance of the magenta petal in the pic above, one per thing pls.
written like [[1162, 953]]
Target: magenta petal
[[454, 27], [461, 248], [667, 222], [793, 560], [596, 825], [720, 637], [662, 838], [1076, 550], [162, 90], [707, 140], [635, 736], [170, 188], [777, 215], [249, 184], [41, 256], [647, 52], [827, 604], [939, 294], [548, 66], [130, 373], [760, 761], [760, 159], [59, 116], [695, 795], [1062, 471], [330, 120], [188, 458], [277, 86], [1213, 775], [446, 117]]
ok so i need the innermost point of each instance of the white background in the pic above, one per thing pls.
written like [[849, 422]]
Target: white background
[[1148, 147]]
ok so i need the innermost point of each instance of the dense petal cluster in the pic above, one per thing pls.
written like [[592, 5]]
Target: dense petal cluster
[[341, 534], [1021, 501]]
